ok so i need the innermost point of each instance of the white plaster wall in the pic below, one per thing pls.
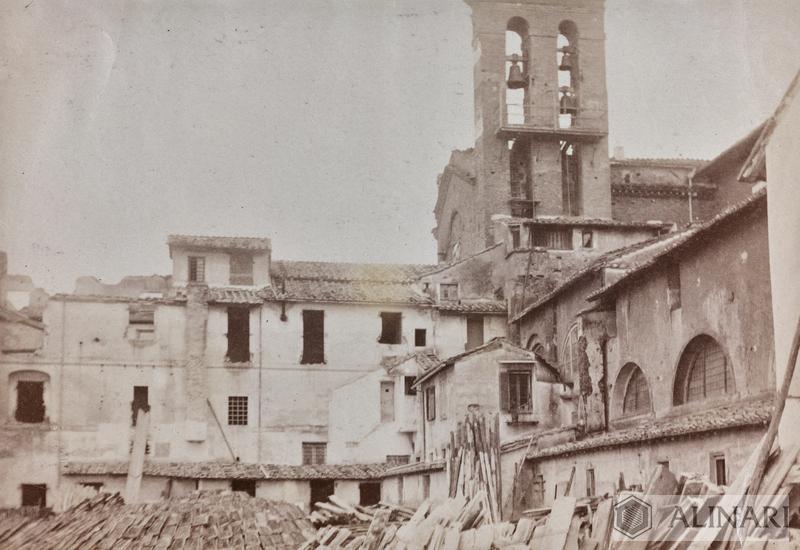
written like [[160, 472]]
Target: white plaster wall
[[450, 333], [296, 492], [412, 491], [783, 165]]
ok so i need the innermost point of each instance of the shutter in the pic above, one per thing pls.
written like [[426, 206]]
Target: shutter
[[504, 392]]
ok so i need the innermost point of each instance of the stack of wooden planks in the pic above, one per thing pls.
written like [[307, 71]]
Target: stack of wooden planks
[[336, 511], [473, 464]]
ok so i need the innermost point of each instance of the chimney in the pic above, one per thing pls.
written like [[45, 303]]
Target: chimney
[[196, 386]]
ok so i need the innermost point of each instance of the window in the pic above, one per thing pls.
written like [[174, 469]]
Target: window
[[587, 238], [397, 460], [515, 391], [703, 372], [430, 403], [409, 382], [552, 239], [237, 410], [313, 336], [474, 331], [718, 470], [244, 486], [448, 292], [570, 179], [34, 494], [420, 337], [568, 81], [321, 489], [516, 70], [314, 453], [674, 286], [387, 401], [141, 314], [426, 486], [369, 493], [197, 269], [590, 483], [391, 328], [637, 392], [569, 366], [238, 335], [515, 237], [30, 402], [241, 269], [140, 402]]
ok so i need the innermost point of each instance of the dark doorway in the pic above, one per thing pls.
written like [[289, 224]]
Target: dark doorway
[[244, 486], [321, 489], [474, 331], [369, 493], [30, 402], [238, 334], [34, 494]]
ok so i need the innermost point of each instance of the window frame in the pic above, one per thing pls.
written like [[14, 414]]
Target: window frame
[[238, 410], [391, 328], [310, 355], [315, 450], [241, 277], [138, 403], [408, 383], [196, 272], [690, 360], [448, 292], [636, 376], [570, 353], [524, 378], [430, 403], [26, 414]]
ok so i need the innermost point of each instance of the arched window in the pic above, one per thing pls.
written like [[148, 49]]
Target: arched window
[[703, 372], [636, 399], [534, 344], [516, 70], [567, 62], [569, 363], [454, 235]]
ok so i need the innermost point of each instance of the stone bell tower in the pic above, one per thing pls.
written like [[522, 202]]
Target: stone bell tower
[[541, 116]]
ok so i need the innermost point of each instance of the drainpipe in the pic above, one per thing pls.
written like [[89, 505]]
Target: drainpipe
[[691, 192], [604, 386], [260, 362]]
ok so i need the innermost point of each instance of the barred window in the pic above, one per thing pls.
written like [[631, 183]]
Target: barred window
[[197, 269], [703, 372], [314, 453], [237, 410], [637, 394]]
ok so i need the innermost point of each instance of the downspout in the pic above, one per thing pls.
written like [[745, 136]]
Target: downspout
[[260, 364], [604, 385]]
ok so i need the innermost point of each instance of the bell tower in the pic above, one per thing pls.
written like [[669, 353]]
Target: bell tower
[[541, 119]]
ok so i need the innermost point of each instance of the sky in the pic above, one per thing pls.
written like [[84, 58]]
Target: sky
[[321, 124]]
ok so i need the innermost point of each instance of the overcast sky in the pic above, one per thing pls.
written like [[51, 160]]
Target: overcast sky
[[320, 124]]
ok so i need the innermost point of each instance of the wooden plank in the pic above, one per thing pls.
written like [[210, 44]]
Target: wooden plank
[[136, 465], [559, 523]]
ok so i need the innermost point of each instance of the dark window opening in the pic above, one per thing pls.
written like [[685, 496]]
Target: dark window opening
[[587, 238], [551, 239], [674, 286], [244, 486], [141, 314], [409, 382], [570, 179], [420, 337], [140, 402], [474, 331], [515, 391], [369, 493], [515, 238], [241, 269], [590, 483], [718, 471], [34, 494], [430, 403], [313, 336], [314, 453], [238, 335], [391, 328], [30, 402], [520, 170], [96, 485], [321, 489], [237, 410], [398, 460], [197, 269], [387, 401], [448, 292], [426, 486]]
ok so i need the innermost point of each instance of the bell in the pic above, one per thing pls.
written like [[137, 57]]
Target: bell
[[516, 79], [566, 62], [569, 104]]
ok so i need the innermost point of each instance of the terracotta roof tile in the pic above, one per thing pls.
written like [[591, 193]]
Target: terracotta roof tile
[[473, 306], [344, 271], [415, 468], [736, 415], [234, 243]]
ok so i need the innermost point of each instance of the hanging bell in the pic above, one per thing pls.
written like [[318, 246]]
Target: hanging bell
[[566, 62], [516, 79], [569, 105]]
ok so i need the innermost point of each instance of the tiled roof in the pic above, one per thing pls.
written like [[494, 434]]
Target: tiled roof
[[587, 222], [233, 243], [445, 266], [415, 468], [343, 271], [230, 470], [617, 259], [237, 295], [426, 360], [473, 306], [661, 162], [736, 415], [684, 239], [203, 519]]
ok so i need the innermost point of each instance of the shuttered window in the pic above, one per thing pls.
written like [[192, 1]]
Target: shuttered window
[[241, 267], [197, 269], [515, 391], [552, 239], [430, 403], [313, 336]]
